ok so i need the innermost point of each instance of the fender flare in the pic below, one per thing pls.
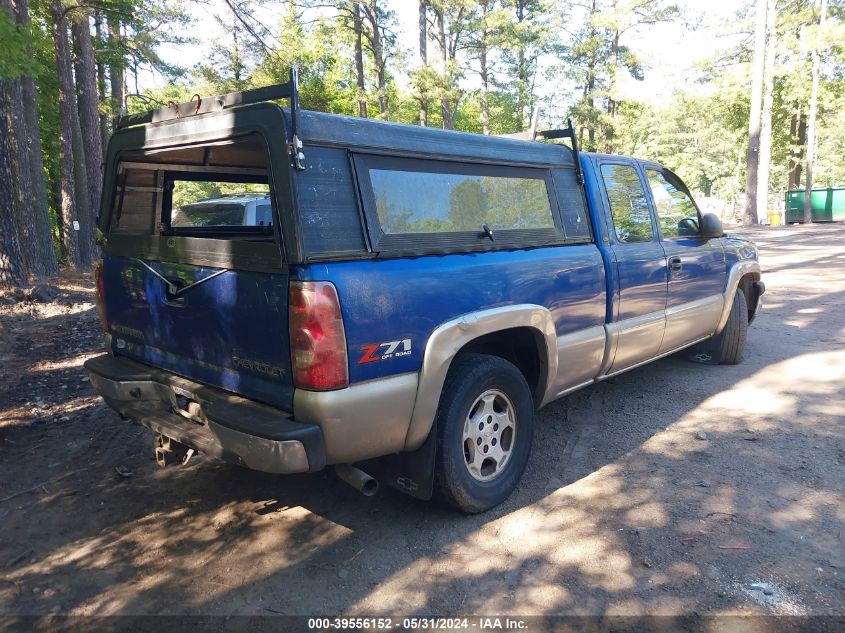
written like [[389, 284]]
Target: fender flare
[[450, 337], [735, 275]]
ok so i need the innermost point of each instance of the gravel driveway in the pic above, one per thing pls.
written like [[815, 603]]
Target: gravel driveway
[[673, 489]]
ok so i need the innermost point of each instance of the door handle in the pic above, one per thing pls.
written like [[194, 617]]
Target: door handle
[[675, 263]]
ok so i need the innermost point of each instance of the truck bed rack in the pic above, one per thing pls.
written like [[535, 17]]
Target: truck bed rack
[[548, 135], [199, 105]]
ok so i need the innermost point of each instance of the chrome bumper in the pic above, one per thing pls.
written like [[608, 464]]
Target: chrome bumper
[[206, 419]]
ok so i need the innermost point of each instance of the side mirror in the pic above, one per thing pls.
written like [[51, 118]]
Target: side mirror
[[711, 226]]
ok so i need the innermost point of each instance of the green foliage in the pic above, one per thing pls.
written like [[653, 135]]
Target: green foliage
[[14, 60], [498, 55], [190, 191]]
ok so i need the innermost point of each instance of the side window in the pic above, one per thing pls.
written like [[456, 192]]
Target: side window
[[429, 202], [628, 203], [676, 211], [263, 214], [418, 205], [576, 226], [136, 196]]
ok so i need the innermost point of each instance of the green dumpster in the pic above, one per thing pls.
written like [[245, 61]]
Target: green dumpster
[[826, 205]]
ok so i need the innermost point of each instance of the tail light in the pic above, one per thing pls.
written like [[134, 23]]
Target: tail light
[[317, 338], [100, 294]]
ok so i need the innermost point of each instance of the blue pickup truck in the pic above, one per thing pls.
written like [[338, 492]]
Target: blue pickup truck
[[416, 295]]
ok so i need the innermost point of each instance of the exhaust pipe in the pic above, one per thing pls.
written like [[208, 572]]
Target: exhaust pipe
[[358, 479]]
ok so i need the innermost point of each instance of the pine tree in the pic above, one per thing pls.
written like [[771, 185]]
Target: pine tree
[[811, 122], [765, 161], [755, 113], [89, 125], [68, 121], [24, 140], [11, 259]]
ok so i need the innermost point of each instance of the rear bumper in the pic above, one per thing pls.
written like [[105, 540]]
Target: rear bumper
[[220, 424]]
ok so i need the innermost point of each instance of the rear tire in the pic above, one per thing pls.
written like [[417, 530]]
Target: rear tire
[[726, 347], [485, 425]]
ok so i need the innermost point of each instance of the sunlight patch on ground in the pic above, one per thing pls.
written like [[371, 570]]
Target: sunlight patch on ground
[[570, 537], [568, 525], [35, 410], [801, 385], [66, 363], [179, 544], [805, 505], [48, 310]]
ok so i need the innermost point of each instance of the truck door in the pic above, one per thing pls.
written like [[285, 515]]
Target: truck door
[[696, 265], [639, 321]]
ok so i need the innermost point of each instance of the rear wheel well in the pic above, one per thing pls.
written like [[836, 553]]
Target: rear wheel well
[[524, 347]]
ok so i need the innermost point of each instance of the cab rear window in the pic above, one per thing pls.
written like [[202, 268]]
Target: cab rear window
[[204, 201]]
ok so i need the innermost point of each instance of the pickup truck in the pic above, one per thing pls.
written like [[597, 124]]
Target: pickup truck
[[416, 296], [240, 209]]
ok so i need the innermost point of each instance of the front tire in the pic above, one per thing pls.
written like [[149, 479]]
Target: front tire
[[726, 347], [485, 425]]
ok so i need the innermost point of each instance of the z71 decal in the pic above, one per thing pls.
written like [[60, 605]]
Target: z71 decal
[[385, 351]]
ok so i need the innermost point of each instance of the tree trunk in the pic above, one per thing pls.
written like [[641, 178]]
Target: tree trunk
[[35, 235], [590, 90], [611, 89], [485, 87], [766, 116], [43, 258], [423, 28], [445, 101], [371, 12], [753, 161], [11, 259], [91, 146], [21, 177], [101, 86], [521, 71], [378, 56], [359, 61], [67, 123], [798, 139], [116, 71], [42, 254], [590, 85], [84, 212], [811, 123]]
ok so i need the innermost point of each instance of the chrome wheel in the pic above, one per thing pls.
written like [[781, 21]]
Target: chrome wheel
[[489, 433]]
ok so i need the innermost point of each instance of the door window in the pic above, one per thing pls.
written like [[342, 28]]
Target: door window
[[628, 204], [676, 212]]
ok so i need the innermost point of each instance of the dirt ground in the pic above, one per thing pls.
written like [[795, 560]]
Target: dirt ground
[[624, 509]]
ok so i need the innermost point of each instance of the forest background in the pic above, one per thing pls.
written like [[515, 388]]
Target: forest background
[[757, 111]]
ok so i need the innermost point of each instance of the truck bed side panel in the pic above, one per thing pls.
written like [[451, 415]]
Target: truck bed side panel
[[398, 299]]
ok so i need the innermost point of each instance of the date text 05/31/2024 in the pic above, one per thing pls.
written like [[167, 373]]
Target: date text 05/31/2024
[[417, 624]]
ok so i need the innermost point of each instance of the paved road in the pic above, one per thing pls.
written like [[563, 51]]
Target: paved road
[[623, 509]]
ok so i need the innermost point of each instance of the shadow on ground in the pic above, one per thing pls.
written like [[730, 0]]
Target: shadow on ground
[[623, 510]]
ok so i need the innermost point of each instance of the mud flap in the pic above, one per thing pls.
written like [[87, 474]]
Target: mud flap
[[412, 472]]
